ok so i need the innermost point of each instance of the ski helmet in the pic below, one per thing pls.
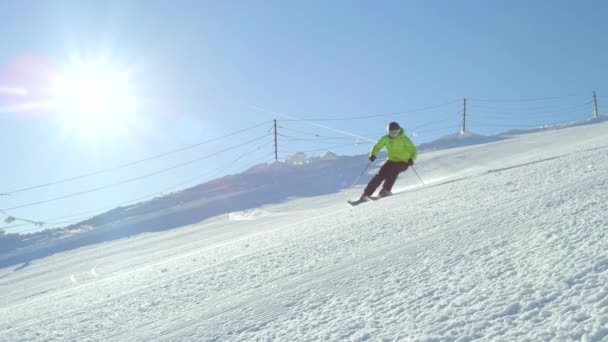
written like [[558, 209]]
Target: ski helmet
[[393, 129]]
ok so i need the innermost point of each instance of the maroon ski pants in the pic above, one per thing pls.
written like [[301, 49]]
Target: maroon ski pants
[[388, 173]]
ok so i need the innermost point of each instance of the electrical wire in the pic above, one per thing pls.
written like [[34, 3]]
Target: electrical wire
[[287, 138], [131, 163], [530, 112], [289, 153], [222, 169], [482, 124], [340, 145], [488, 111], [545, 117], [133, 179], [527, 99], [376, 115], [526, 106], [137, 200], [276, 114], [534, 118], [313, 134], [264, 158], [312, 138], [417, 128], [455, 127]]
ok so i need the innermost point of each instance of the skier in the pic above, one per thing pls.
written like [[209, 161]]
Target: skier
[[401, 154]]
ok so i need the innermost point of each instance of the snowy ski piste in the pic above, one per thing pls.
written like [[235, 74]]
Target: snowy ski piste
[[507, 241]]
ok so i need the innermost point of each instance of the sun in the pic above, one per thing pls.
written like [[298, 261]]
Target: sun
[[94, 95]]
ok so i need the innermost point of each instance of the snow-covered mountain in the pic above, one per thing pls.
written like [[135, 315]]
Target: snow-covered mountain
[[506, 241]]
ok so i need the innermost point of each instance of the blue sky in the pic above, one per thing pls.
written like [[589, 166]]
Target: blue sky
[[204, 69]]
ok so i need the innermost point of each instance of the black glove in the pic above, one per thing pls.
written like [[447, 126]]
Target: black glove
[[372, 158], [410, 162]]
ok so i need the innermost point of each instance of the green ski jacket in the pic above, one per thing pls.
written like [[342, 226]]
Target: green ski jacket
[[399, 149]]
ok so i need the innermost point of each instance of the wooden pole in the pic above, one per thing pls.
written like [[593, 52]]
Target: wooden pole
[[276, 147], [595, 112], [464, 118]]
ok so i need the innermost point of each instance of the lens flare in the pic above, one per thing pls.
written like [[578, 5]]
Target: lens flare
[[94, 94], [26, 85]]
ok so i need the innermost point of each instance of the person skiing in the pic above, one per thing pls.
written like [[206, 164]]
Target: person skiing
[[401, 154]]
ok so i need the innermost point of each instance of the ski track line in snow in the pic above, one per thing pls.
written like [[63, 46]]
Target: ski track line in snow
[[260, 214], [311, 277]]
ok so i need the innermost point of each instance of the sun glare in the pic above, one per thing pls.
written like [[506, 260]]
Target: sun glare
[[94, 95]]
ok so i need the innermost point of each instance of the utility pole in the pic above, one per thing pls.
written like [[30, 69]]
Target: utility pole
[[595, 112], [464, 118], [276, 147]]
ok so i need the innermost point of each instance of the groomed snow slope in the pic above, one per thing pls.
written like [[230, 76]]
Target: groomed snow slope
[[506, 242]]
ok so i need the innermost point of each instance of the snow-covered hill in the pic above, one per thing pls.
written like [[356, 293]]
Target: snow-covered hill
[[264, 184], [507, 241]]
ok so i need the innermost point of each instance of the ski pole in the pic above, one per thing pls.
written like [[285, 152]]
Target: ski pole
[[418, 175], [362, 172]]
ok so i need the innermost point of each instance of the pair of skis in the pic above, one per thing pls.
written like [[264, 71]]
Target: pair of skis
[[371, 199]]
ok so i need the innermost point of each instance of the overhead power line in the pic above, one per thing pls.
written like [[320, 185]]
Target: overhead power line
[[136, 178], [528, 108], [295, 138], [136, 200], [309, 135], [333, 147], [437, 129], [376, 115], [528, 99], [131, 163], [223, 168], [432, 123]]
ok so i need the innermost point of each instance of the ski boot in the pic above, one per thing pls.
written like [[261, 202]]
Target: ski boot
[[384, 193]]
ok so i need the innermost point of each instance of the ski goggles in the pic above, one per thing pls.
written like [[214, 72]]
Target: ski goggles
[[393, 133]]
